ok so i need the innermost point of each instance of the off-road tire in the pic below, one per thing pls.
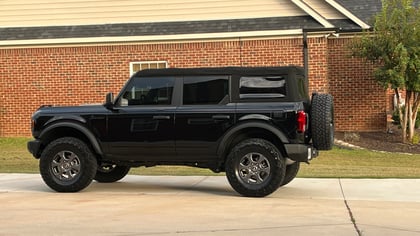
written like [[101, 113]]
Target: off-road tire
[[67, 165], [291, 172], [322, 121], [255, 168], [109, 173]]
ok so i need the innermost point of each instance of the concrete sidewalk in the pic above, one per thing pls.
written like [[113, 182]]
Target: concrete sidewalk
[[199, 205]]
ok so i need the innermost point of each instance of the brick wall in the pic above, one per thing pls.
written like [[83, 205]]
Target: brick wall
[[31, 77], [360, 103]]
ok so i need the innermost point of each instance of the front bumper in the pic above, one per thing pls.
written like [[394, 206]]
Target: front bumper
[[300, 152], [34, 147]]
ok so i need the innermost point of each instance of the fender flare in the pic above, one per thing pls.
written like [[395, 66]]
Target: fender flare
[[252, 124], [78, 127]]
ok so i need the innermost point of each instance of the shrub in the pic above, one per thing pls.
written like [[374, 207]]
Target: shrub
[[416, 139]]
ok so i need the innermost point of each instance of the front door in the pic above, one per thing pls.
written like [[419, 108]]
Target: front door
[[142, 127]]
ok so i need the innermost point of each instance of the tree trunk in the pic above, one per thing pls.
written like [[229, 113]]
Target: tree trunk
[[413, 116], [402, 115], [412, 102], [404, 122], [410, 120], [408, 113]]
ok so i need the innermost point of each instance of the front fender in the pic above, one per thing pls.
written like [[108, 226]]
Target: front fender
[[79, 127], [67, 117]]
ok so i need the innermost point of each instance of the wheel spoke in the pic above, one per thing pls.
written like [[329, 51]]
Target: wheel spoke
[[58, 172], [75, 167], [262, 162], [245, 173], [61, 156], [55, 164], [71, 157], [246, 160], [262, 175]]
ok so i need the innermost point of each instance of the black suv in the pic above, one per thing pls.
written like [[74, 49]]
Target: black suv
[[255, 124]]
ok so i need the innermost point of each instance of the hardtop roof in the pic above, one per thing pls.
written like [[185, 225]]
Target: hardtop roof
[[283, 70]]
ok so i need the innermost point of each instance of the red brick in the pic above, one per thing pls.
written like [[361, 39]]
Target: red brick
[[84, 74]]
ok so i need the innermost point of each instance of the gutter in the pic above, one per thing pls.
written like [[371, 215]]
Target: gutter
[[150, 38]]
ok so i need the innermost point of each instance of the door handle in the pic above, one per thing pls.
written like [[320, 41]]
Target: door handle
[[221, 117], [161, 117]]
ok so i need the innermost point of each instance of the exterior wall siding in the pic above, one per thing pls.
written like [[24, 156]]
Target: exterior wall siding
[[31, 77], [20, 13]]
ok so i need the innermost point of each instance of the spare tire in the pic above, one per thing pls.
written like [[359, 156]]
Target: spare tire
[[322, 121]]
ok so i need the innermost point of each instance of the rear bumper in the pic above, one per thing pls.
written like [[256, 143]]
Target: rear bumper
[[300, 152], [33, 147]]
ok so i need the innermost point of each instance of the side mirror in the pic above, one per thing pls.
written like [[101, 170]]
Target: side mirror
[[109, 101]]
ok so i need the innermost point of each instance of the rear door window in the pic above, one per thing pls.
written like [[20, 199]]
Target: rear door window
[[205, 90]]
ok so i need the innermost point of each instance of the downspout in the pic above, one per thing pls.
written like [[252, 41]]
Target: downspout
[[305, 45], [305, 55]]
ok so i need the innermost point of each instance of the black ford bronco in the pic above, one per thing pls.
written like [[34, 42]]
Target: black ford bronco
[[255, 124]]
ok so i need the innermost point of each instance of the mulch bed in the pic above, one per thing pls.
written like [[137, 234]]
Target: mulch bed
[[380, 141]]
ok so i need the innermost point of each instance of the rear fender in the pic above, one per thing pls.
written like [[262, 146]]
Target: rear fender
[[225, 141]]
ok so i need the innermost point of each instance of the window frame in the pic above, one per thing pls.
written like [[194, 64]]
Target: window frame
[[144, 63]]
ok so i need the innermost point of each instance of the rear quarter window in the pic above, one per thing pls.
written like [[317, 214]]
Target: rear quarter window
[[262, 87]]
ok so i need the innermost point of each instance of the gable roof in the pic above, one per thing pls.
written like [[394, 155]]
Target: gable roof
[[188, 19], [363, 9]]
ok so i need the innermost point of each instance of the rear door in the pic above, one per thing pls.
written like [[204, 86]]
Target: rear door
[[203, 117]]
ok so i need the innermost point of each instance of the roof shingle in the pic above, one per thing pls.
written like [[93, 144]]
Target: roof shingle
[[162, 28]]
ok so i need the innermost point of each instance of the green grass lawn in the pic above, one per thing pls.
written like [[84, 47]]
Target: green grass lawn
[[338, 163]]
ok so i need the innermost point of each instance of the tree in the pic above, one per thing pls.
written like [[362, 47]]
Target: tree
[[394, 46]]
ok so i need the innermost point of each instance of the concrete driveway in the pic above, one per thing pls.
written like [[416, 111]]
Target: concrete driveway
[[198, 205]]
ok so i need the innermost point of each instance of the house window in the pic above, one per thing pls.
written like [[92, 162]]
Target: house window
[[142, 65]]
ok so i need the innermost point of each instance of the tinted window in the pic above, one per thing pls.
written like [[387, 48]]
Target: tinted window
[[262, 87], [302, 86], [148, 91], [205, 90]]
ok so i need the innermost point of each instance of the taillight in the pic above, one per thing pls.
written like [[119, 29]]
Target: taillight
[[301, 121]]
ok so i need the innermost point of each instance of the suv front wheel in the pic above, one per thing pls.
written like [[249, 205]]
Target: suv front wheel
[[109, 173], [255, 168], [67, 165]]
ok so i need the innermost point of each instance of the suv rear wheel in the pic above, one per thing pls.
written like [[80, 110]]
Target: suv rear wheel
[[255, 168], [67, 165], [108, 173], [291, 172]]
